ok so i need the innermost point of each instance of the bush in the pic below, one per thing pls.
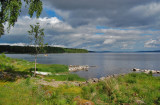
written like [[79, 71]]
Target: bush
[[8, 68], [131, 81]]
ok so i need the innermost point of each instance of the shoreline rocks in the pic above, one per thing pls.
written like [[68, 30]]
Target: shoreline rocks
[[146, 71], [73, 68], [96, 80]]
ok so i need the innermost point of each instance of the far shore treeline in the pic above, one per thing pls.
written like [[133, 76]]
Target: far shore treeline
[[30, 49]]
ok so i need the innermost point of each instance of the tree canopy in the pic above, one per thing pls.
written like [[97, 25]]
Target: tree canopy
[[10, 10], [36, 36]]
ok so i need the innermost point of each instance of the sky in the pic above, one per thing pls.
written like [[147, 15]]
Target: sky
[[95, 25]]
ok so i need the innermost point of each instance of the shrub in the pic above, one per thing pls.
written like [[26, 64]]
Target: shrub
[[150, 73], [28, 81], [8, 68], [131, 81]]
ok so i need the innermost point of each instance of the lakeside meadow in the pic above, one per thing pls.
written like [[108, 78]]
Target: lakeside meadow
[[17, 86], [85, 52]]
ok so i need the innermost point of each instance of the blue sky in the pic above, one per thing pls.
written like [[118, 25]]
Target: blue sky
[[52, 13], [99, 25]]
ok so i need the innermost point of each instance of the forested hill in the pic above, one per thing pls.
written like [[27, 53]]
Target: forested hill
[[48, 49]]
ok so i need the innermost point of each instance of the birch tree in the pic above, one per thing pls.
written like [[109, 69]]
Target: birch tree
[[10, 11], [36, 37]]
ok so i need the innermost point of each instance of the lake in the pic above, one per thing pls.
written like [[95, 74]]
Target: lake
[[106, 63]]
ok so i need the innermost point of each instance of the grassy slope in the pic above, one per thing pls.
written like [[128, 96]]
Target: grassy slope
[[122, 90], [24, 67], [128, 89]]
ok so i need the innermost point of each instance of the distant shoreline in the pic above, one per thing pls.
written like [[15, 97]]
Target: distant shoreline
[[7, 49], [124, 51]]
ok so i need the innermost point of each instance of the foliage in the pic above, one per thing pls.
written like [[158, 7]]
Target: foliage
[[1, 29], [27, 93], [128, 89], [5, 65], [56, 68], [10, 10], [114, 91], [36, 36], [48, 49], [75, 50], [23, 67], [37, 40]]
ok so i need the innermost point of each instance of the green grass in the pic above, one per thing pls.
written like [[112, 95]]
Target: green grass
[[56, 68], [66, 77], [114, 91], [25, 92], [23, 65], [126, 89]]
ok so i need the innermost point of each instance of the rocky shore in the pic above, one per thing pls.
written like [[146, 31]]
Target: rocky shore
[[146, 71], [96, 80], [73, 68], [54, 83]]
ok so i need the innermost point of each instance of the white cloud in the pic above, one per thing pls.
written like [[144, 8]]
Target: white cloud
[[152, 43], [58, 45], [13, 44], [147, 10], [52, 20], [60, 33], [127, 45], [109, 41]]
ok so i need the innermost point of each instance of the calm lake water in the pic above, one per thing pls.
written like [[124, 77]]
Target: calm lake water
[[106, 63]]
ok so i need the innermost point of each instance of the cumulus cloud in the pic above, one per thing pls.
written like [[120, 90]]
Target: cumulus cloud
[[109, 41], [60, 33], [13, 44], [147, 10], [113, 13], [127, 24], [153, 43]]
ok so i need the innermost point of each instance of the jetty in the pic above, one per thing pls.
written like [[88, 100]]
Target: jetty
[[73, 68], [146, 71]]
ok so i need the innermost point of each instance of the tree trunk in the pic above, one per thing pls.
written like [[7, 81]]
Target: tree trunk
[[35, 65]]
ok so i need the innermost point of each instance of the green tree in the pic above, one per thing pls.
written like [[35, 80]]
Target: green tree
[[36, 36], [1, 29], [10, 10]]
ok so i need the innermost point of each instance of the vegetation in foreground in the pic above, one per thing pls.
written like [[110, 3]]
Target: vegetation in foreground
[[23, 67], [134, 88]]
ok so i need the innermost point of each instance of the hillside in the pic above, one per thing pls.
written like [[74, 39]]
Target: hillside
[[29, 49]]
